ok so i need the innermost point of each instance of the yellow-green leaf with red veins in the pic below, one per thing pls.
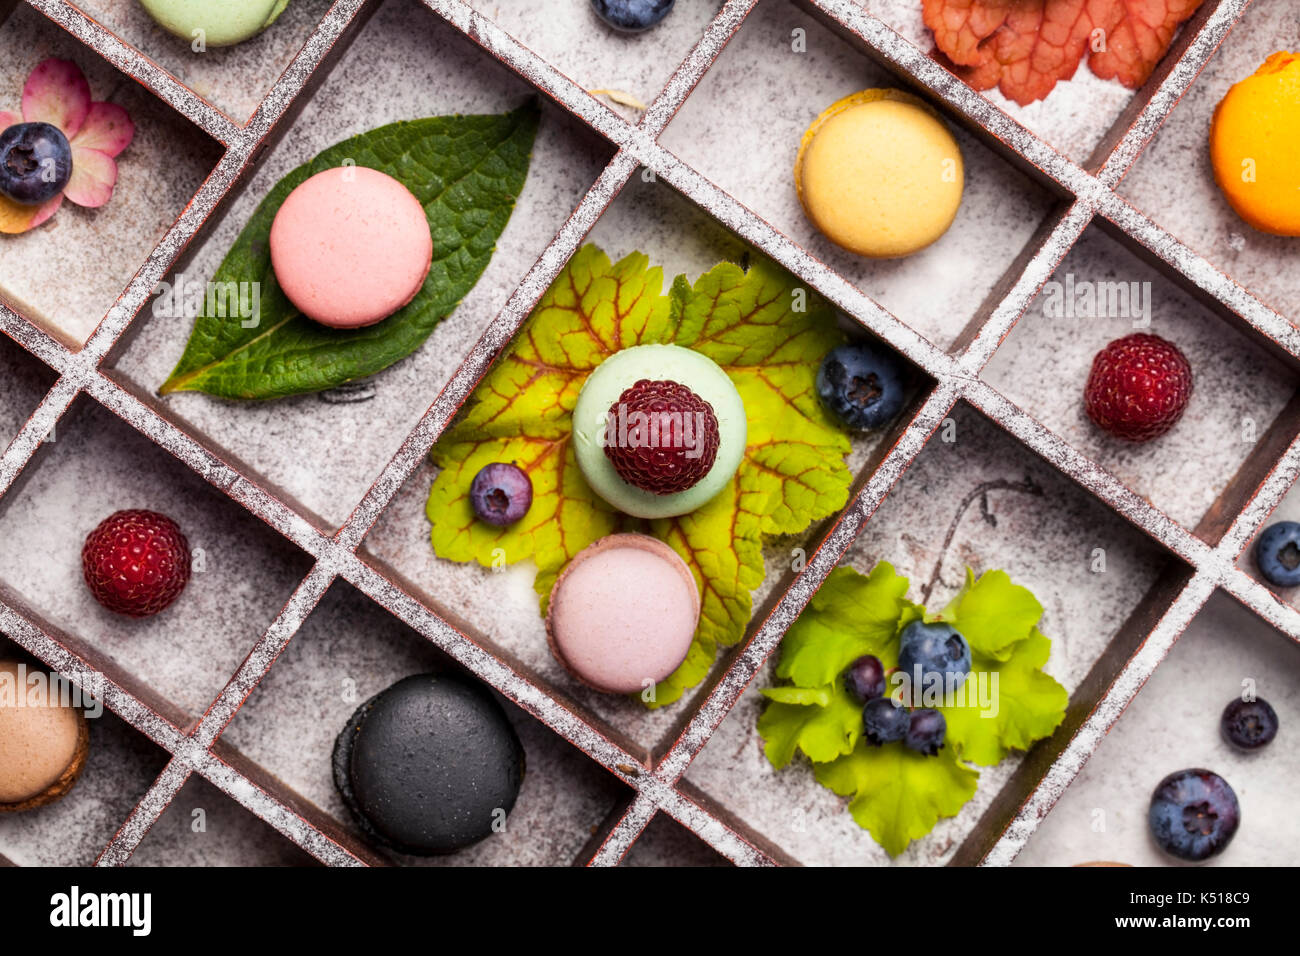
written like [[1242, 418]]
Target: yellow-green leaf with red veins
[[766, 332], [1024, 47], [747, 323]]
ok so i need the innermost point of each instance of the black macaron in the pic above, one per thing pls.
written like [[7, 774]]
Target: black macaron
[[430, 765]]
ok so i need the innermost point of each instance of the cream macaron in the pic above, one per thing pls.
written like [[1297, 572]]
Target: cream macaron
[[879, 174], [596, 416]]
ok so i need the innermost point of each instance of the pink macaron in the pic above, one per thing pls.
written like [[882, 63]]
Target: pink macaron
[[623, 613], [350, 246]]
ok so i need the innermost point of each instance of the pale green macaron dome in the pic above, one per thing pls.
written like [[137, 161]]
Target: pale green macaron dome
[[223, 22], [657, 363]]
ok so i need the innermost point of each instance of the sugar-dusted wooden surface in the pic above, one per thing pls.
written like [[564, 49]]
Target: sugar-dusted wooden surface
[[406, 61], [67, 274], [1173, 724]]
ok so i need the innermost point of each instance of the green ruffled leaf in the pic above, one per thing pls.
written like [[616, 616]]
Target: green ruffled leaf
[[467, 172], [1025, 705], [850, 615], [823, 722], [992, 613], [898, 794], [821, 696], [751, 323]]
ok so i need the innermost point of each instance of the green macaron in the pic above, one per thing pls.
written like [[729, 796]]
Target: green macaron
[[216, 22], [657, 363]]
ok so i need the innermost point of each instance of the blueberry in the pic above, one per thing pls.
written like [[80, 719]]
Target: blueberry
[[884, 721], [925, 731], [1277, 552], [35, 162], [936, 649], [632, 15], [861, 385], [1248, 724], [865, 678], [501, 494], [1193, 814]]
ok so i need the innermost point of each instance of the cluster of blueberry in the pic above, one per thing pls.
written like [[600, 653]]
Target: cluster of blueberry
[[935, 652], [1194, 813]]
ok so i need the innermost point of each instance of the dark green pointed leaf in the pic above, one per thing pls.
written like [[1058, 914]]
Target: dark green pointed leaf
[[467, 172]]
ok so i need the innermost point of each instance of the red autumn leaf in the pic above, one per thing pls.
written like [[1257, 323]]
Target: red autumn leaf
[[1024, 47], [961, 26], [1135, 44]]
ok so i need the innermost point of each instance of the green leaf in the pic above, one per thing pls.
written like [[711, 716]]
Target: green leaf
[[749, 323], [720, 544], [850, 616], [821, 696], [992, 613], [767, 333], [898, 794], [1023, 704], [825, 724], [467, 172]]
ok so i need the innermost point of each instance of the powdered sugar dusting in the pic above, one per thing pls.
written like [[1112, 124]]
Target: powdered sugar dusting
[[1125, 687], [683, 80], [624, 833], [145, 814], [165, 86], [1039, 269], [1179, 80], [956, 377]]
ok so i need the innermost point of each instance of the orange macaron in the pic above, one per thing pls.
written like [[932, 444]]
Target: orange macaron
[[1255, 146]]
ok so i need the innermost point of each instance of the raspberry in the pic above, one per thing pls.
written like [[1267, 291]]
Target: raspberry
[[661, 436], [136, 562], [1138, 387]]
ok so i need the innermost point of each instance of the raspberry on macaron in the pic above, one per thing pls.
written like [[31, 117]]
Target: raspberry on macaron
[[1139, 387], [674, 436], [136, 562]]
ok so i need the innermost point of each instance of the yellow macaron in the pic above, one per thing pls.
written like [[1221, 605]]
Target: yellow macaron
[[879, 174], [1255, 146]]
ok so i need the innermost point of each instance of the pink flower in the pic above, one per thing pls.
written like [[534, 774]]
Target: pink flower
[[57, 93]]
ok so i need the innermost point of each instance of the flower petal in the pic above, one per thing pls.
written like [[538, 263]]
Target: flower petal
[[16, 218], [108, 129], [94, 174], [57, 93], [8, 119]]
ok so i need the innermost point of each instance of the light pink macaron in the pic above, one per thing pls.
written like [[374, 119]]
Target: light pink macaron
[[350, 246], [623, 613]]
